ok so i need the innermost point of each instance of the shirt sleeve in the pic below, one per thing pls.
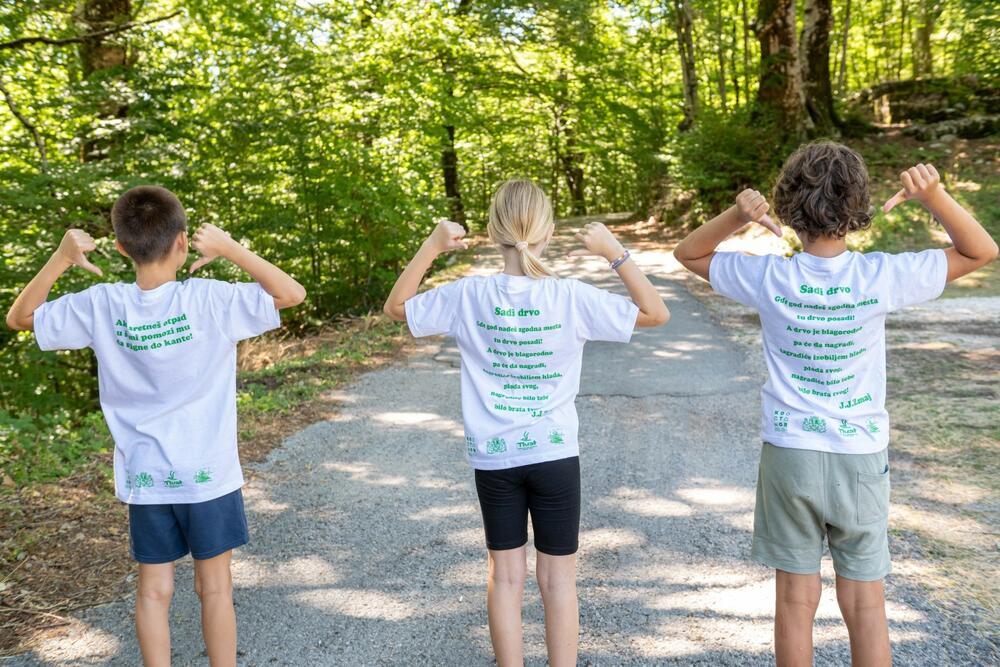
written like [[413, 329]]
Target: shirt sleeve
[[434, 312], [915, 277], [242, 310], [603, 315], [738, 276], [67, 323]]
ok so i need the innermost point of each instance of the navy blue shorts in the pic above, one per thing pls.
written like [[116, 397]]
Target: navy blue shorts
[[164, 533]]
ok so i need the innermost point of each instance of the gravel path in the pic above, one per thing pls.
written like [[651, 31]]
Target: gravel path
[[368, 549]]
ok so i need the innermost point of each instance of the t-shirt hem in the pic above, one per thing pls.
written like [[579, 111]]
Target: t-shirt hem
[[563, 452], [820, 446], [171, 497]]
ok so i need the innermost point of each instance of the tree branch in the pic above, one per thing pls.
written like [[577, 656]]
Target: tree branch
[[41, 39], [39, 142]]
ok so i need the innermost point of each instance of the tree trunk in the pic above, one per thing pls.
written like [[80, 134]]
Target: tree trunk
[[449, 167], [685, 45], [815, 58], [720, 55], [780, 90], [572, 165], [99, 55], [449, 155], [842, 77], [746, 51], [923, 57]]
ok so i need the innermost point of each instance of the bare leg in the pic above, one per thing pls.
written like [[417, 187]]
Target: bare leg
[[863, 605], [504, 593], [797, 597], [214, 585], [152, 613], [557, 582]]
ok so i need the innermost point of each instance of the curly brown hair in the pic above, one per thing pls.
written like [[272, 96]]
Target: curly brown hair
[[823, 191]]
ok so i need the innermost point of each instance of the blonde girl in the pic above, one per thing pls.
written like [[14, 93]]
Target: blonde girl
[[521, 335]]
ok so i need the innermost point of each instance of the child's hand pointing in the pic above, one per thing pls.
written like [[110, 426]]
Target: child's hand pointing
[[921, 183], [74, 247], [598, 240], [753, 207], [210, 242], [447, 237]]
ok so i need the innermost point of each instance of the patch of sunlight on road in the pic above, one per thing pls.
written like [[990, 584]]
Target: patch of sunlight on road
[[467, 537], [362, 472], [609, 538], [710, 494], [665, 644], [256, 500], [357, 603], [948, 527], [67, 649], [249, 570], [443, 512], [439, 484], [467, 573], [407, 418], [641, 502]]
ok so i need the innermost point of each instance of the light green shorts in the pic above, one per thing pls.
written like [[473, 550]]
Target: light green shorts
[[803, 495]]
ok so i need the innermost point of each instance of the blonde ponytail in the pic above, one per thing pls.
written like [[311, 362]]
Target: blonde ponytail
[[520, 217]]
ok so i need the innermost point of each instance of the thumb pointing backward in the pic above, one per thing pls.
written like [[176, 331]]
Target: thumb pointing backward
[[897, 198], [200, 262]]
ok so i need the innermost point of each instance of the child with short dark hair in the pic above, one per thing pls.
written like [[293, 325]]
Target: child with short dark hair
[[166, 363], [824, 468]]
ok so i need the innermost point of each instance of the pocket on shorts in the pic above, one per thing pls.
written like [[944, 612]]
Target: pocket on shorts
[[873, 496]]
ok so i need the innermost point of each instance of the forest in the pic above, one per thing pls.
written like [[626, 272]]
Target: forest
[[329, 136]]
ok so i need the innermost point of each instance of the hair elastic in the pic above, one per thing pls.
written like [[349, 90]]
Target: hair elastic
[[521, 246]]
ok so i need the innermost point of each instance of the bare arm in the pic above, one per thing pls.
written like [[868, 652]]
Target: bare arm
[[446, 236], [72, 251], [212, 242], [696, 251], [973, 246], [599, 241]]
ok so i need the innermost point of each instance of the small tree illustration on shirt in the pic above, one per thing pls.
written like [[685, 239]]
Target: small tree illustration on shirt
[[143, 479], [526, 442], [814, 424], [202, 476], [556, 437], [496, 446]]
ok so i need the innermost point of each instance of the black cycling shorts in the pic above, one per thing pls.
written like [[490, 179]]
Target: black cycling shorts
[[550, 491]]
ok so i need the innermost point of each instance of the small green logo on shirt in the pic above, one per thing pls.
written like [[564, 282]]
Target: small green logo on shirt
[[872, 426], [470, 445], [846, 429], [814, 424], [171, 482], [780, 420], [526, 442], [496, 446], [557, 436], [143, 479], [202, 476]]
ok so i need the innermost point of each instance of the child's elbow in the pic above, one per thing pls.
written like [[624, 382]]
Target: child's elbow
[[297, 296], [661, 316], [393, 311], [992, 253], [15, 324]]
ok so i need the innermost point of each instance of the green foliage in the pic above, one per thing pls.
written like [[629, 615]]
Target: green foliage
[[50, 445], [722, 155]]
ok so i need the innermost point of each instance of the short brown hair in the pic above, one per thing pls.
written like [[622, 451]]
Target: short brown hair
[[823, 191], [146, 220]]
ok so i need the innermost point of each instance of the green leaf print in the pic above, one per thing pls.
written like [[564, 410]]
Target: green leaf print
[[814, 424]]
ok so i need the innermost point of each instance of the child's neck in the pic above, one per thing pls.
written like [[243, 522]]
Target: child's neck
[[151, 276], [824, 246], [512, 262]]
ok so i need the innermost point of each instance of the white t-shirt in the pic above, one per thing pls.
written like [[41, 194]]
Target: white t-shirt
[[521, 341], [166, 368], [823, 325]]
